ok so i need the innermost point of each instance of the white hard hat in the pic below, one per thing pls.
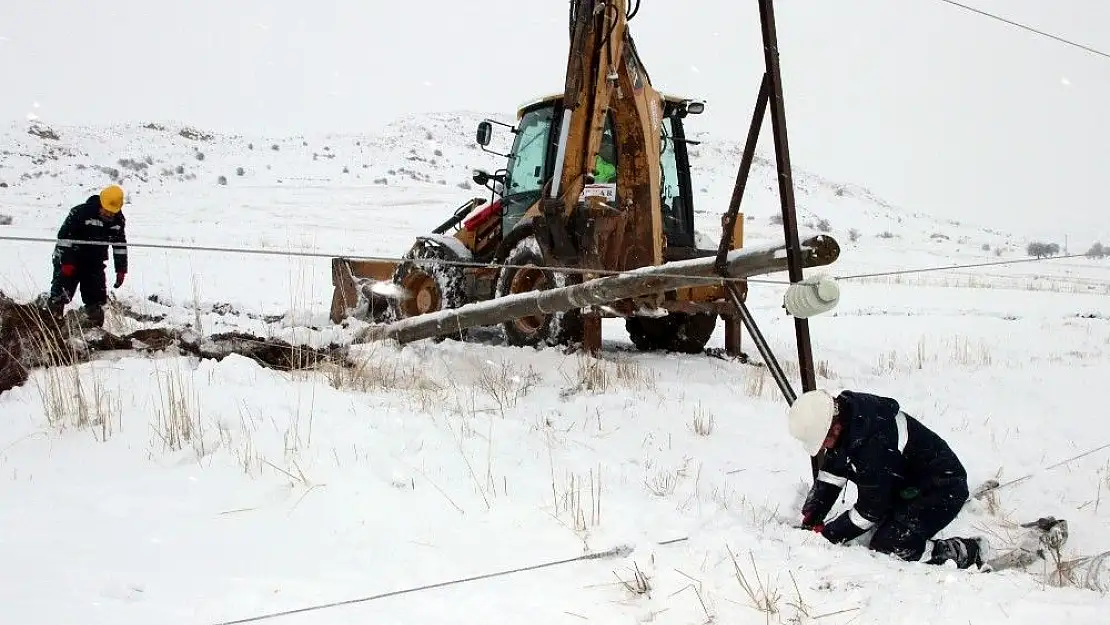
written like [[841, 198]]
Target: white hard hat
[[810, 417]]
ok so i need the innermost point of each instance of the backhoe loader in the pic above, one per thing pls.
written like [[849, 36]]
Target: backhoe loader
[[553, 215], [597, 183]]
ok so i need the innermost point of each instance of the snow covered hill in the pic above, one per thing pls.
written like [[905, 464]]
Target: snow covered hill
[[325, 192], [140, 490]]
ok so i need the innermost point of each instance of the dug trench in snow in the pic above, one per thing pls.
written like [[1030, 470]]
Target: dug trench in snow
[[30, 338]]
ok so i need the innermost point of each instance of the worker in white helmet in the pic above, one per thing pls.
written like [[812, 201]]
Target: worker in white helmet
[[910, 483]]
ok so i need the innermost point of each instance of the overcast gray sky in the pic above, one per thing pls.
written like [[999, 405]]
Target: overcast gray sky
[[937, 109]]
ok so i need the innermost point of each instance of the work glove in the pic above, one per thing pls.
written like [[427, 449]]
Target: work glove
[[119, 279], [817, 528], [69, 270], [813, 524]]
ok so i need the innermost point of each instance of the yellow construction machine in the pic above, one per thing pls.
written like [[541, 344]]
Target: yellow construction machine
[[593, 216], [480, 252]]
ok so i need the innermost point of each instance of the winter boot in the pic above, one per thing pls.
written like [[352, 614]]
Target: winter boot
[[54, 315], [95, 315], [963, 551]]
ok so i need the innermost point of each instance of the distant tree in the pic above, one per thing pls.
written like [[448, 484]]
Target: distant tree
[[1039, 249], [1097, 251]]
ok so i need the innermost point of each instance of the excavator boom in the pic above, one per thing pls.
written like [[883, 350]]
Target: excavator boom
[[605, 80]]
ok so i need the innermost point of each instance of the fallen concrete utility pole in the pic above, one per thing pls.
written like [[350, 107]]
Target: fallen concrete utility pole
[[818, 250]]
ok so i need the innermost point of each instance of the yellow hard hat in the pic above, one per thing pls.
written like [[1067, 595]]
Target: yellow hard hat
[[111, 199]]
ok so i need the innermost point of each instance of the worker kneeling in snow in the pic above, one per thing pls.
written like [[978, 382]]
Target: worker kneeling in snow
[[99, 221], [910, 483]]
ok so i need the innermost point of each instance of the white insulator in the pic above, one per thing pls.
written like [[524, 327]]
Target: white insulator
[[812, 296]]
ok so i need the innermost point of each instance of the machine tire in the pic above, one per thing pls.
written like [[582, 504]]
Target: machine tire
[[685, 333], [552, 329], [432, 287]]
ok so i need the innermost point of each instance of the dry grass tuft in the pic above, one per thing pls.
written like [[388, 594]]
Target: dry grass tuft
[[177, 416], [578, 510], [947, 351], [380, 370], [759, 383], [703, 422], [505, 384], [1085, 572], [762, 595], [72, 393], [664, 481], [639, 585], [597, 374]]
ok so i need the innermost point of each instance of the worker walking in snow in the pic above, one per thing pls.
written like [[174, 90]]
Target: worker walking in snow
[[100, 221], [910, 483]]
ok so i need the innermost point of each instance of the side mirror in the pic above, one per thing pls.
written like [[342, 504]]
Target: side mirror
[[691, 107], [485, 133], [480, 177]]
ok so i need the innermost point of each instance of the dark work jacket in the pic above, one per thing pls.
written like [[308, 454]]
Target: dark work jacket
[[84, 223], [890, 457]]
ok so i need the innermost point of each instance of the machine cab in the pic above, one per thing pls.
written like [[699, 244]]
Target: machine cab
[[531, 166]]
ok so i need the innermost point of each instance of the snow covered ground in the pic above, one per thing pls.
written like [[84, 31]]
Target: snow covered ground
[[181, 492]]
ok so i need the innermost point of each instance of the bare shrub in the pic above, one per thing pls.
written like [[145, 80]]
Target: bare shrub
[[195, 135], [853, 235], [506, 384], [42, 131], [132, 164]]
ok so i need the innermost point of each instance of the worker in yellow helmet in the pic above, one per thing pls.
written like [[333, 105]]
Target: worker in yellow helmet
[[81, 253]]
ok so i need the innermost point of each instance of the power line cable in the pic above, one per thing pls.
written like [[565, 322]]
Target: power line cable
[[1025, 27], [611, 553], [382, 259], [463, 263], [936, 268]]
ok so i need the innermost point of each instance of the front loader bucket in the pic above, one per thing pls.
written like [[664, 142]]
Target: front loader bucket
[[351, 295]]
